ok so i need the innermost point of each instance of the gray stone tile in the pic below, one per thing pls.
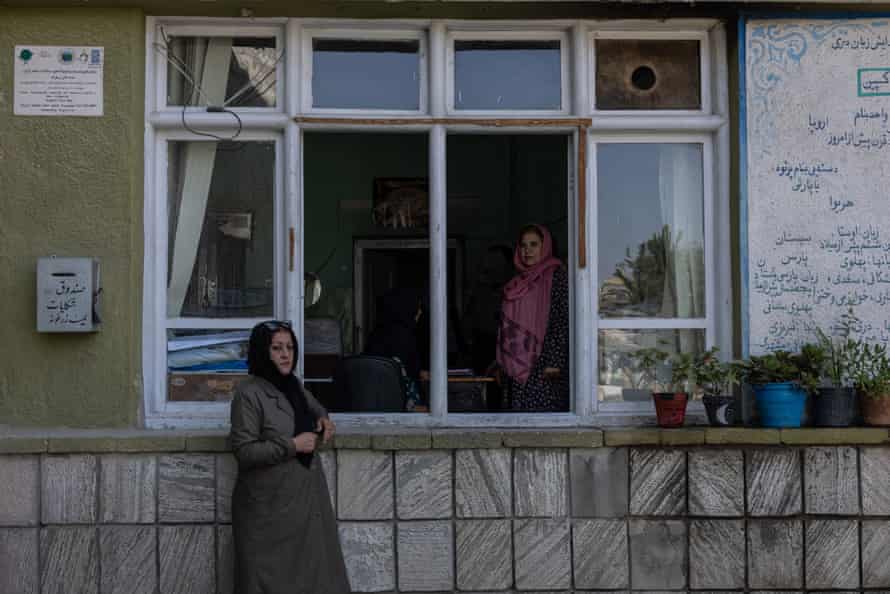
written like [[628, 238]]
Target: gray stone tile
[[832, 554], [328, 459], [773, 482], [484, 555], [775, 554], [717, 554], [128, 493], [19, 572], [128, 556], [599, 553], [482, 483], [364, 485], [19, 490], [716, 483], [542, 554], [875, 544], [426, 556], [423, 485], [225, 560], [186, 488], [599, 482], [68, 493], [69, 558], [226, 476], [187, 559], [370, 555], [657, 482], [875, 471], [540, 482], [832, 482], [657, 554]]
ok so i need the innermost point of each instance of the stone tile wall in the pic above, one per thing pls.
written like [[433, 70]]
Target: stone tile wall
[[739, 518]]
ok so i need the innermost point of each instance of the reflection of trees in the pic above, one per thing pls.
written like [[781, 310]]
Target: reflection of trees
[[640, 282]]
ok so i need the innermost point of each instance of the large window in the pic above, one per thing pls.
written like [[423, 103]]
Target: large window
[[373, 182]]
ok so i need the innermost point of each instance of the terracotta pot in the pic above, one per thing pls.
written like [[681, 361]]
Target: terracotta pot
[[670, 408], [876, 411]]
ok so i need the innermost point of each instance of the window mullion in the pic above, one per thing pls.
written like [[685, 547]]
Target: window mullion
[[438, 276], [436, 70]]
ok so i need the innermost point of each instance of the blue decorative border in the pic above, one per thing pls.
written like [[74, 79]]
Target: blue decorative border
[[819, 34]]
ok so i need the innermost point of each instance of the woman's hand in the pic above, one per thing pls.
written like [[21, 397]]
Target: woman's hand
[[552, 373], [325, 426], [305, 442]]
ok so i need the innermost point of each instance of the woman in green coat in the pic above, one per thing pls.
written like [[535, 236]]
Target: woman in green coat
[[285, 533]]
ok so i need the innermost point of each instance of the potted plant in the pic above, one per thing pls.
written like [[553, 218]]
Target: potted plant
[[827, 375], [717, 380], [777, 382], [670, 396], [871, 377]]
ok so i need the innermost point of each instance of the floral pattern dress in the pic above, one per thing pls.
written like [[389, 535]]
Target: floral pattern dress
[[539, 393]]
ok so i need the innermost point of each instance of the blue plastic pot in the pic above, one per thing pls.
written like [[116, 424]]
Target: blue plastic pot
[[780, 405]]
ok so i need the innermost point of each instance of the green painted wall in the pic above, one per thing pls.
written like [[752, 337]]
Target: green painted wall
[[72, 186]]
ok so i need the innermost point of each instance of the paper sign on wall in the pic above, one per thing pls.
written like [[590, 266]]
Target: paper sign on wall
[[58, 80]]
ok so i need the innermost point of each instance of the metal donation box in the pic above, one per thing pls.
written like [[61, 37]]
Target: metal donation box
[[68, 292]]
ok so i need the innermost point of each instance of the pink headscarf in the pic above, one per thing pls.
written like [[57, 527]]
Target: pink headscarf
[[526, 310]]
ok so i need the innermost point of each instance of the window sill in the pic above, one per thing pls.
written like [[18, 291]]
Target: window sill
[[64, 441]]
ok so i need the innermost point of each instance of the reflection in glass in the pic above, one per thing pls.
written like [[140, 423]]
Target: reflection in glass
[[621, 378], [507, 75], [220, 210], [205, 364], [237, 71], [651, 230], [369, 74]]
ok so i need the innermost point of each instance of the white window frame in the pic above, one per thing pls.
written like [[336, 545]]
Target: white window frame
[[405, 34], [708, 323], [187, 29], [565, 50], [293, 115]]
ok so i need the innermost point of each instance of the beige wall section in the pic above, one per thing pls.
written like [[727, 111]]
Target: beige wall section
[[72, 186]]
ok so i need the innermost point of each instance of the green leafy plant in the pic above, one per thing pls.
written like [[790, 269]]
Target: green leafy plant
[[870, 370], [666, 372], [771, 368], [715, 376], [830, 358]]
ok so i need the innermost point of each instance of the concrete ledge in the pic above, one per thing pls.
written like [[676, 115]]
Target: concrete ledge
[[834, 436], [460, 439], [22, 445], [562, 438], [741, 436], [97, 441]]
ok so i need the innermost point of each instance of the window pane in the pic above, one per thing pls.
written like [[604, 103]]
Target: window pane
[[370, 74], [367, 240], [205, 364], [220, 234], [651, 74], [507, 75], [497, 185], [621, 378], [650, 213], [238, 71]]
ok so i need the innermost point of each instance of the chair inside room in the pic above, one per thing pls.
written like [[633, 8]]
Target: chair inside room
[[367, 383]]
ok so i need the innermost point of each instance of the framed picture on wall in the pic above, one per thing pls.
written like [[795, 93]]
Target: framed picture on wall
[[401, 202]]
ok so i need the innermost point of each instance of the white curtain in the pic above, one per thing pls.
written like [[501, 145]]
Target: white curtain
[[681, 196], [208, 63]]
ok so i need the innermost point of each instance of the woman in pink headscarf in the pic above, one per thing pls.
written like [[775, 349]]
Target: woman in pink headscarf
[[533, 339]]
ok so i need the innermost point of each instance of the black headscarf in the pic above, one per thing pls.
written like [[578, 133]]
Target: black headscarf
[[260, 364]]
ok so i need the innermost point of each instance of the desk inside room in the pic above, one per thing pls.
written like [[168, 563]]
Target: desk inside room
[[466, 393]]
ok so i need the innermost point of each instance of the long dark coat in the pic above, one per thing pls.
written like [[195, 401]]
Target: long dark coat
[[285, 533]]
